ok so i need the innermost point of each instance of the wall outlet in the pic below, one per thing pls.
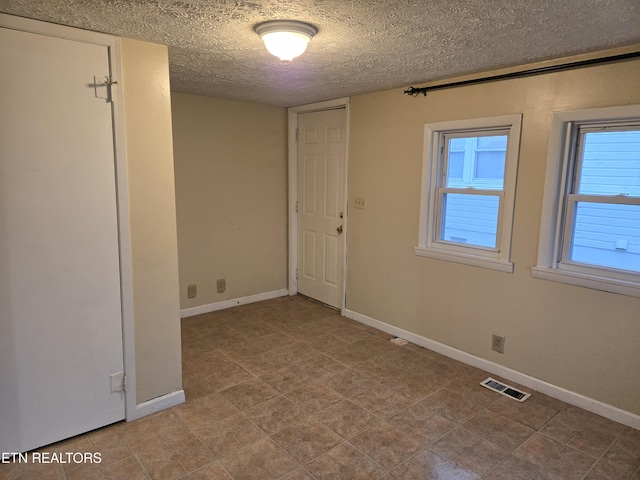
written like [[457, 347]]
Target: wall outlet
[[192, 291], [497, 343], [221, 285], [358, 202]]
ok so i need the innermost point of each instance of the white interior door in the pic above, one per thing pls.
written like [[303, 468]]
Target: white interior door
[[321, 190], [60, 307]]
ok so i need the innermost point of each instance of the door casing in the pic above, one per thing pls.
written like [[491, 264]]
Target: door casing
[[293, 113]]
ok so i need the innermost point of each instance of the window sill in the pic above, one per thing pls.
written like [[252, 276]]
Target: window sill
[[596, 282], [466, 259]]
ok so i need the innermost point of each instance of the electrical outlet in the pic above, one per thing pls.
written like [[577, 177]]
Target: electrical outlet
[[221, 285], [497, 343], [192, 291], [358, 202]]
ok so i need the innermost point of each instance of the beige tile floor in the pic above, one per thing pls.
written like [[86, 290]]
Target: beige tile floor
[[288, 389]]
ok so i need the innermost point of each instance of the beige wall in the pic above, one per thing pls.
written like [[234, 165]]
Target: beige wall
[[231, 187], [149, 149], [579, 339]]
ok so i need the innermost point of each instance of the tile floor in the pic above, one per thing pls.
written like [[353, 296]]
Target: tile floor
[[288, 389]]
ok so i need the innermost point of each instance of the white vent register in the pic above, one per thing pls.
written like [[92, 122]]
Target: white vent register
[[505, 390]]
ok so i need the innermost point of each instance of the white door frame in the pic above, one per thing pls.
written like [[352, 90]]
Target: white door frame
[[293, 190], [122, 192]]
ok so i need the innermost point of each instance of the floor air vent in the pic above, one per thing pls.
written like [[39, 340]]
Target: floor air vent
[[505, 390]]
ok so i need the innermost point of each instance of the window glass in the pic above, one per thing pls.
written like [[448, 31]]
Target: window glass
[[456, 144], [606, 235], [610, 163], [490, 157], [476, 162], [455, 166], [494, 142], [470, 219], [455, 160], [490, 165]]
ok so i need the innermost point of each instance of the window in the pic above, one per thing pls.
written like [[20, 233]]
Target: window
[[590, 232], [468, 188]]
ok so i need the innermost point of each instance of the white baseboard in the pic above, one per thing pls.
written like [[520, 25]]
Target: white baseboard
[[608, 411], [212, 307], [159, 403]]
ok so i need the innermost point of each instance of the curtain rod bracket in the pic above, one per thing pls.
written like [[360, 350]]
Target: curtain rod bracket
[[414, 92]]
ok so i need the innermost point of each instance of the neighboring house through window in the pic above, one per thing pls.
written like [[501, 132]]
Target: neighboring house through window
[[468, 189], [590, 232]]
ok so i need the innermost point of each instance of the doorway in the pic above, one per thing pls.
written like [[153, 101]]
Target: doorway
[[317, 185]]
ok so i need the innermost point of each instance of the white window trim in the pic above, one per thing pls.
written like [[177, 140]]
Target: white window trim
[[550, 244], [495, 259]]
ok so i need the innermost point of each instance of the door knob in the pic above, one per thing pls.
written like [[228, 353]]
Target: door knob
[[339, 229]]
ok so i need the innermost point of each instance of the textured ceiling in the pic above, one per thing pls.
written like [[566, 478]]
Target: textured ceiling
[[361, 45]]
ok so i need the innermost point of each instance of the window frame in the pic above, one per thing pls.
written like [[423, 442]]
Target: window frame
[[433, 188], [561, 197]]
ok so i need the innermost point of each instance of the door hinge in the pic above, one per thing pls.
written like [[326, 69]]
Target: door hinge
[[296, 274], [296, 206], [118, 382], [297, 134]]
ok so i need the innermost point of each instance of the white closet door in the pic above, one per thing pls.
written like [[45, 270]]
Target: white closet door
[[60, 312]]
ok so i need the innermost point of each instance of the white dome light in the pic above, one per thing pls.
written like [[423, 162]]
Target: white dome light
[[286, 39]]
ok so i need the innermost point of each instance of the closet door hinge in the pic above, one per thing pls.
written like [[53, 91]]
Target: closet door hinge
[[118, 382]]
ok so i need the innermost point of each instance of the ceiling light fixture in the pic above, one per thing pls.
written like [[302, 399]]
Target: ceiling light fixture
[[286, 39]]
